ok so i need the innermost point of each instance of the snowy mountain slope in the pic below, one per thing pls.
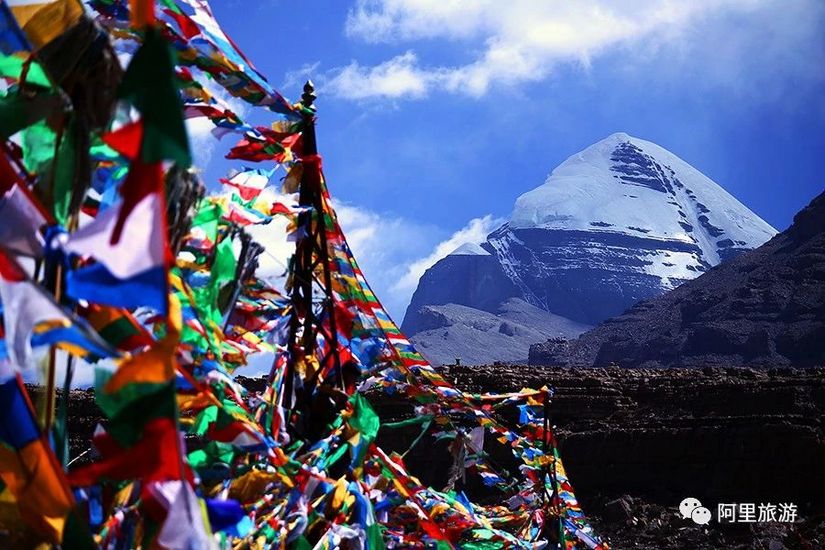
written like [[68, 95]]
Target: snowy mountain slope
[[622, 221], [469, 249]]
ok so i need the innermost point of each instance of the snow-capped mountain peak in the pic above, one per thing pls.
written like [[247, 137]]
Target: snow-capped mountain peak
[[625, 185], [621, 221]]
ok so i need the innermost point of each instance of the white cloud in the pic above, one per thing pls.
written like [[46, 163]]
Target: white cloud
[[398, 77], [521, 40], [299, 76], [773, 55], [277, 250], [201, 141], [394, 252], [475, 232]]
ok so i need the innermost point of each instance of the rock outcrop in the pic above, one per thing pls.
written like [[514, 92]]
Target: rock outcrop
[[452, 332]]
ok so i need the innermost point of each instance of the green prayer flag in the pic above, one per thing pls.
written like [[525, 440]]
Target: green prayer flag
[[364, 418], [118, 331], [225, 264], [206, 417], [132, 407], [336, 456], [127, 426], [408, 422], [38, 143], [207, 218], [11, 66], [212, 452], [481, 545], [53, 162], [149, 84], [483, 534], [64, 172], [170, 5], [375, 535], [300, 543]]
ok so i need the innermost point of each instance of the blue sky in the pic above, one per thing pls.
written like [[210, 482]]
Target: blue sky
[[435, 115]]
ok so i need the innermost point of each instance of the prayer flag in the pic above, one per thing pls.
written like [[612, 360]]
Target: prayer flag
[[32, 318], [44, 21], [132, 269]]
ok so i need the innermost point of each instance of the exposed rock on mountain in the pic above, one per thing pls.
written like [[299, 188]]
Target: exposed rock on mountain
[[765, 307]]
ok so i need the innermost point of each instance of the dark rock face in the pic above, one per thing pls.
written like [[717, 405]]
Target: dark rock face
[[766, 307], [553, 352]]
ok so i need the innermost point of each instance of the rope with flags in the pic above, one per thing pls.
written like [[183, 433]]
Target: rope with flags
[[112, 252]]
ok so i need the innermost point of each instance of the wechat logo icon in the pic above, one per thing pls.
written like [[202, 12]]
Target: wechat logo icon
[[691, 508]]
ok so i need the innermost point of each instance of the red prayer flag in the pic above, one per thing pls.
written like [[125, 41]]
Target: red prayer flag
[[154, 458]]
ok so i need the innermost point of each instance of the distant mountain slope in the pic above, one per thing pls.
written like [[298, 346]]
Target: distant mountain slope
[[453, 331], [470, 276], [622, 221], [765, 307]]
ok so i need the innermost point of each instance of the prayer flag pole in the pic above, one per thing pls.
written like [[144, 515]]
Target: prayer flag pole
[[311, 252]]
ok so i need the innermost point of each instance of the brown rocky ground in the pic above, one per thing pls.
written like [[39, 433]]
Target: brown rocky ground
[[636, 442]]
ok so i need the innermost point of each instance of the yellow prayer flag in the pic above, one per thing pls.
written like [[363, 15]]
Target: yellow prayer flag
[[339, 494], [155, 365], [44, 21], [35, 479]]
